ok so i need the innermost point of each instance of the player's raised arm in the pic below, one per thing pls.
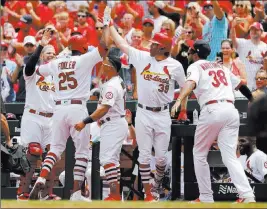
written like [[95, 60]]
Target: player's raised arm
[[31, 63], [119, 41]]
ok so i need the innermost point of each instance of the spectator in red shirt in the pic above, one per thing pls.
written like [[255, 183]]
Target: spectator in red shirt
[[131, 7], [148, 27], [85, 29], [25, 28], [40, 13], [15, 10], [62, 26]]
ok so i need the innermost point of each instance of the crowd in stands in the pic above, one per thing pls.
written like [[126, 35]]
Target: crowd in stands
[[234, 29]]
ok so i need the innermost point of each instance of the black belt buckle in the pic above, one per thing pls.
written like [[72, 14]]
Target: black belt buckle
[[156, 109]]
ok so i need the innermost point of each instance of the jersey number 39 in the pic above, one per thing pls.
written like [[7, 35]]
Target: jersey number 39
[[66, 80], [218, 78]]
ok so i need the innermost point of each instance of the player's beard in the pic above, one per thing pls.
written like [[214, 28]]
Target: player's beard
[[243, 150]]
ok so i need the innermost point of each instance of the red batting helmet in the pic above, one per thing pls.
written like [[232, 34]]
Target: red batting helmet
[[163, 40], [78, 42]]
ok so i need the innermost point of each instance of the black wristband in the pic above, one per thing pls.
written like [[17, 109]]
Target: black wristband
[[246, 92], [88, 120], [129, 124]]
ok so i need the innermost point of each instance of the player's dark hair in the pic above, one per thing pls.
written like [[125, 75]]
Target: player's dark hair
[[202, 56], [114, 58]]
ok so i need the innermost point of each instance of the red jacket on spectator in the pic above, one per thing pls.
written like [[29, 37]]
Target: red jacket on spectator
[[120, 10], [15, 8]]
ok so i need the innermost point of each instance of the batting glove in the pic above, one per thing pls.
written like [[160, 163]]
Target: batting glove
[[182, 115], [107, 16]]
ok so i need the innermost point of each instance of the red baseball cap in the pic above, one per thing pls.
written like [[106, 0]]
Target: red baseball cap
[[206, 3], [148, 20], [162, 39], [150, 3], [256, 25]]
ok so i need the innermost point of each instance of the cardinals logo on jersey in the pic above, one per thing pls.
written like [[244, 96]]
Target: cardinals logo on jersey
[[45, 86], [256, 60], [158, 77]]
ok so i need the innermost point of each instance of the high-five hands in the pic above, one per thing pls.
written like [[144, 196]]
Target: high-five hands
[[107, 16], [175, 107], [46, 37]]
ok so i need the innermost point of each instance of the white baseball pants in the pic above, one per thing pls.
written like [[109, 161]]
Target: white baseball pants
[[35, 128], [153, 129], [218, 120], [112, 134], [64, 119]]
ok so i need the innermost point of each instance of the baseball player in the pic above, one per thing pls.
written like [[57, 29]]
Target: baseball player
[[213, 86], [71, 75], [36, 123], [256, 160], [94, 137], [156, 74], [114, 128]]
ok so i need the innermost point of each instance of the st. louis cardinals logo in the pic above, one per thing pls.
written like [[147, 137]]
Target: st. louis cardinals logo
[[158, 77], [256, 60], [109, 95], [45, 86]]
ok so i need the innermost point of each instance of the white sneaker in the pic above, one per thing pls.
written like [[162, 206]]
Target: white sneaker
[[77, 196], [37, 188], [246, 200]]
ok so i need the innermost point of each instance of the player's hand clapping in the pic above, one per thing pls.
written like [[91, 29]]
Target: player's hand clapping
[[46, 37], [79, 126]]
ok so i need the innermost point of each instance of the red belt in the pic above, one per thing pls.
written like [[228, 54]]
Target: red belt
[[47, 115], [218, 101], [73, 101]]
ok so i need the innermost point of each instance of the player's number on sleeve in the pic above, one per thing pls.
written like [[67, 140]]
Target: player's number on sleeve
[[66, 80], [164, 88], [218, 78]]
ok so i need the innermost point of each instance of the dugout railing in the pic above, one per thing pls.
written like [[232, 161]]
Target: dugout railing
[[222, 191]]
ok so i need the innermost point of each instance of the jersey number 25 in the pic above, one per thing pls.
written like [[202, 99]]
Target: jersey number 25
[[66, 80]]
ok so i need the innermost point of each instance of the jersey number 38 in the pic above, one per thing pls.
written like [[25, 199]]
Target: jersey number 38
[[218, 78]]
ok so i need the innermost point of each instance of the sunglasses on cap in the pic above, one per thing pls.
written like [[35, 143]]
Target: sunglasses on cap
[[29, 45], [208, 7], [99, 28], [188, 32]]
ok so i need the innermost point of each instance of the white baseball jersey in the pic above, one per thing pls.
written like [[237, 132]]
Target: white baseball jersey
[[213, 81], [252, 56], [256, 164], [155, 79], [113, 93], [40, 92], [72, 75]]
